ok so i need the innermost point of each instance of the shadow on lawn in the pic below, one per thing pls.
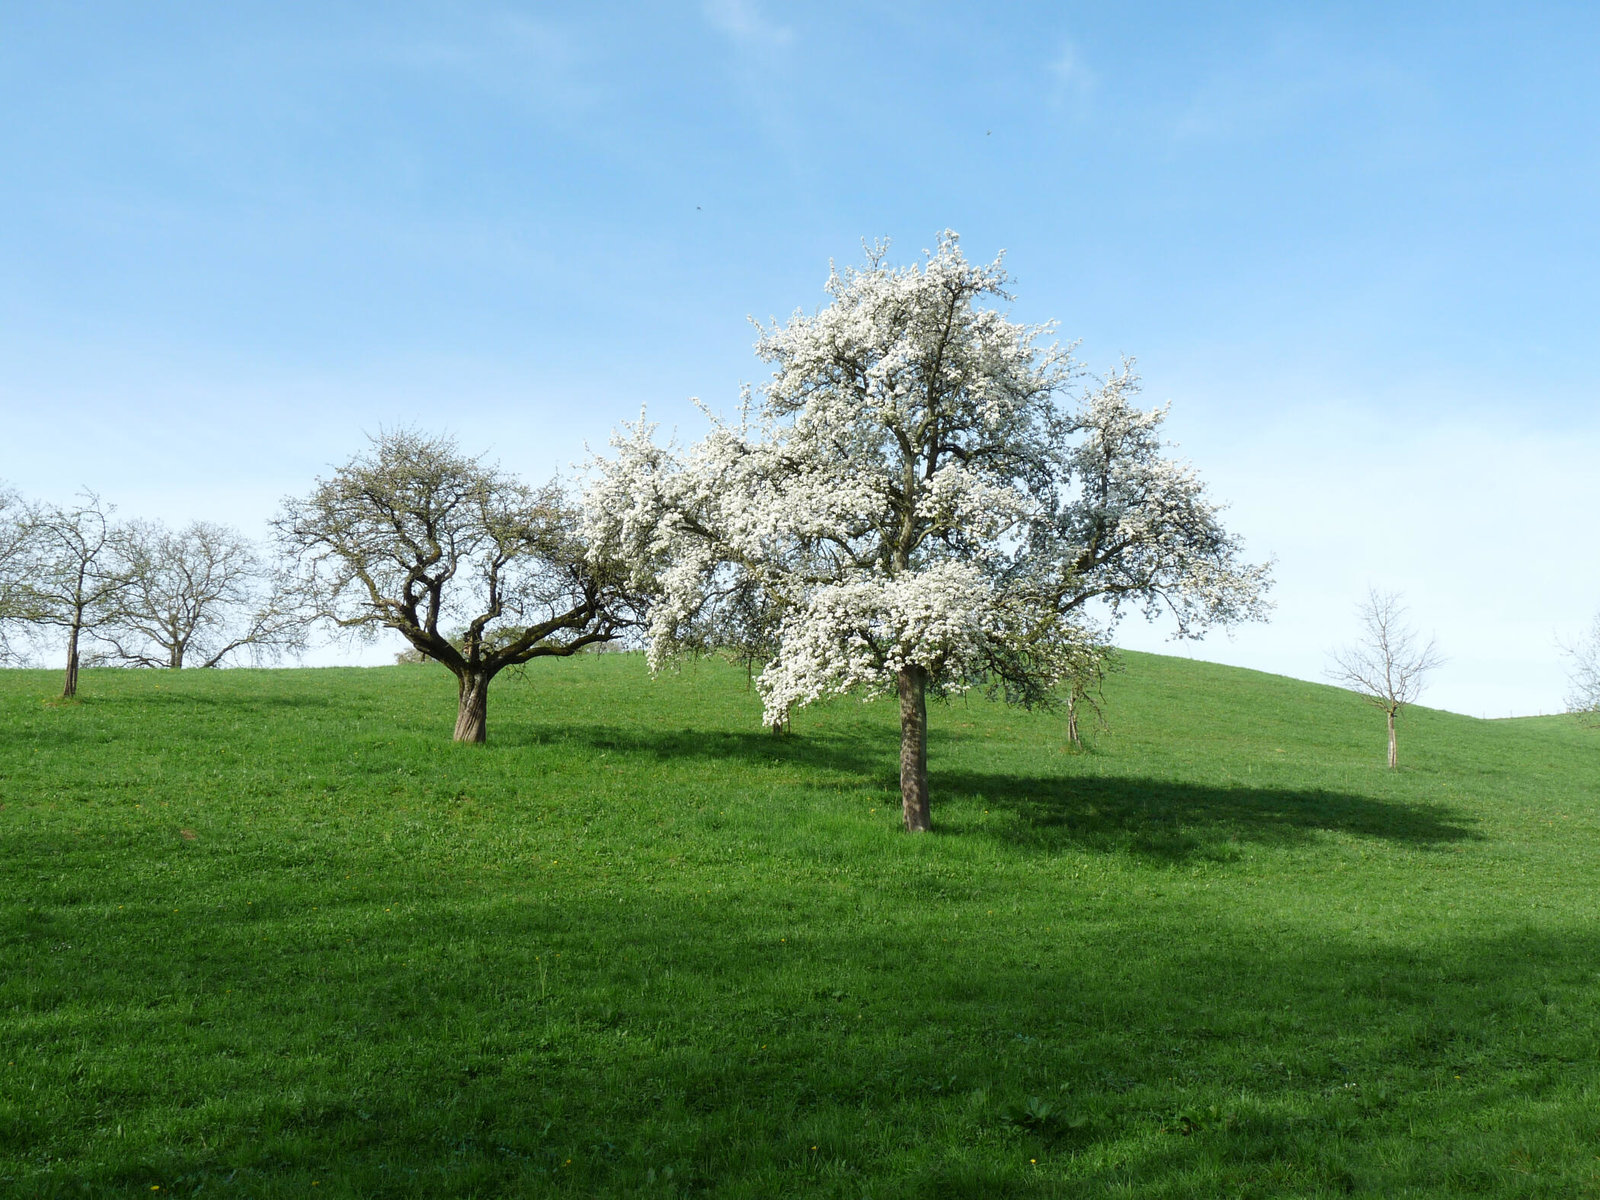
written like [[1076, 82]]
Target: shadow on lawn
[[1156, 818], [1165, 819], [1237, 1062]]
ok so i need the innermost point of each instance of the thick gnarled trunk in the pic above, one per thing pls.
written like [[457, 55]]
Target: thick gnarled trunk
[[472, 717], [914, 750]]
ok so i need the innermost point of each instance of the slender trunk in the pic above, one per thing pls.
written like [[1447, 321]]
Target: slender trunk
[[72, 663], [1072, 721], [780, 727], [472, 717], [914, 749], [1394, 757]]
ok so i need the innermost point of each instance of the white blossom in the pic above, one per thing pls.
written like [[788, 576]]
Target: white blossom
[[914, 488]]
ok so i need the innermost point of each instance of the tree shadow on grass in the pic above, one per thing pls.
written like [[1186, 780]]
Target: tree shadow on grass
[[1174, 821], [445, 1061], [860, 753], [1156, 818]]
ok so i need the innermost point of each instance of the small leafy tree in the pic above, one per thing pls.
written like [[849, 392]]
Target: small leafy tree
[[1388, 664], [196, 596], [415, 536], [918, 507]]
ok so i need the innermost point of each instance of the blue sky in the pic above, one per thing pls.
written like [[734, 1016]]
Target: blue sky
[[1353, 245]]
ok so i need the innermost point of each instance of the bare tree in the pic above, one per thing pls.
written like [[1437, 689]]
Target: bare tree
[[1388, 664], [416, 537], [73, 573], [1583, 658], [1084, 685], [198, 594], [15, 545]]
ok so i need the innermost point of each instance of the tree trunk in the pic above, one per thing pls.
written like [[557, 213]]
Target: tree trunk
[[1394, 757], [71, 689], [914, 749], [472, 718], [1072, 721]]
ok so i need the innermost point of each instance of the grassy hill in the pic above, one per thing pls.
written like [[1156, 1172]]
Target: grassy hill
[[270, 933]]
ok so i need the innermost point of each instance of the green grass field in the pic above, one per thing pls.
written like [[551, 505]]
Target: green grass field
[[268, 933]]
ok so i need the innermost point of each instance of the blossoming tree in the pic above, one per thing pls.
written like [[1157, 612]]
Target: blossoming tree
[[913, 505]]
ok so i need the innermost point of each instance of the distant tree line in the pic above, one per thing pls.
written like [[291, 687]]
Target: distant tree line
[[136, 593]]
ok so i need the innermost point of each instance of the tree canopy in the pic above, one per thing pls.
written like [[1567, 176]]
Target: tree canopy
[[475, 569], [69, 573], [1387, 666], [913, 503], [1583, 661], [199, 595]]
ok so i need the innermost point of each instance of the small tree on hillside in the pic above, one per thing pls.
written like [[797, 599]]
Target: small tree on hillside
[[1084, 686], [1388, 664], [197, 596], [15, 544], [1583, 660], [917, 507], [72, 573], [416, 537]]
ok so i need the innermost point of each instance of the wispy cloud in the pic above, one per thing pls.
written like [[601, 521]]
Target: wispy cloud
[[1071, 72], [744, 21], [1290, 85]]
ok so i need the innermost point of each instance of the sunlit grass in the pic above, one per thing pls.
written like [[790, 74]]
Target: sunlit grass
[[264, 932]]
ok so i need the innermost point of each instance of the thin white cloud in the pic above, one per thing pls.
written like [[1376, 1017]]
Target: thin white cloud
[[1070, 70], [1287, 84], [744, 21]]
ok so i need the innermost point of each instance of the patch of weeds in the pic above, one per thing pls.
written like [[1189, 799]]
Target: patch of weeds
[[1046, 1118]]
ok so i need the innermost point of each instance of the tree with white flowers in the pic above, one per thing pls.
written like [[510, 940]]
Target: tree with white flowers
[[916, 506]]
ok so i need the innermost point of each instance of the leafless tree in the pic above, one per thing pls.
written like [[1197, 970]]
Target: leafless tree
[[1583, 659], [15, 542], [196, 595], [1085, 686], [1388, 664], [415, 536], [72, 573]]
